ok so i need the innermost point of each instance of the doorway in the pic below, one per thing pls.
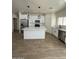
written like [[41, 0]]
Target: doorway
[[14, 25]]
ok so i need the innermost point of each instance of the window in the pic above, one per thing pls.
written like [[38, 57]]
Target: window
[[62, 21]]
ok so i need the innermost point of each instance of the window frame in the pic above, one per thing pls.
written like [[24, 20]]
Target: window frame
[[62, 21]]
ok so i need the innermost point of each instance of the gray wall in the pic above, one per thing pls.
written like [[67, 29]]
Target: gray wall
[[61, 13]]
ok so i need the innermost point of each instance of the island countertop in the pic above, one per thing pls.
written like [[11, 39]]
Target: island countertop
[[62, 29], [34, 28]]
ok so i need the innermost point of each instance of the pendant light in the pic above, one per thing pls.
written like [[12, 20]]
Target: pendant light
[[28, 13], [39, 13], [28, 10]]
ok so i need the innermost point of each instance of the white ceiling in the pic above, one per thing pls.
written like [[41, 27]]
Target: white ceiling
[[46, 6]]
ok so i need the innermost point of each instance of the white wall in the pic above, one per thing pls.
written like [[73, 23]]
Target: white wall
[[50, 21], [14, 15], [53, 20], [54, 29]]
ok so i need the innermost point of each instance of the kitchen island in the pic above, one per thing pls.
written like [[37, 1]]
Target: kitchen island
[[34, 32]]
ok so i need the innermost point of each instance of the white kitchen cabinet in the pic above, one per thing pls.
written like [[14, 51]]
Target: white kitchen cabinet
[[35, 17], [32, 19], [23, 16], [42, 19], [55, 32]]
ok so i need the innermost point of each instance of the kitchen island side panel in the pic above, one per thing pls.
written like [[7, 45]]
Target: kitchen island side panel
[[38, 34]]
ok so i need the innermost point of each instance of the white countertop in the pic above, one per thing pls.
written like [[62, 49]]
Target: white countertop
[[34, 28], [62, 29]]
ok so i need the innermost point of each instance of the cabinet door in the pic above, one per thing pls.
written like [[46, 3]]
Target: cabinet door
[[59, 35], [62, 35], [23, 17], [42, 19]]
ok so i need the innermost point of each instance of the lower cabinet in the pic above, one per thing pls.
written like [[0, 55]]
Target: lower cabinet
[[62, 35]]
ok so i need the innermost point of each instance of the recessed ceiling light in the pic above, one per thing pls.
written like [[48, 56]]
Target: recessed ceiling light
[[50, 8], [28, 6], [38, 6]]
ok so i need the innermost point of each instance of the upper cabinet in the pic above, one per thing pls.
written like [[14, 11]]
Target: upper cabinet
[[32, 18], [23, 16], [42, 19]]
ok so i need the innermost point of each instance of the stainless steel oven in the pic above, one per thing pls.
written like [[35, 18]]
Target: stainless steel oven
[[37, 23]]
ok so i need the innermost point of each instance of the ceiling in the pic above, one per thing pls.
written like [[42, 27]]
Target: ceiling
[[46, 6]]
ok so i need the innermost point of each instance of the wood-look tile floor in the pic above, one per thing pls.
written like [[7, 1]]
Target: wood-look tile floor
[[49, 48]]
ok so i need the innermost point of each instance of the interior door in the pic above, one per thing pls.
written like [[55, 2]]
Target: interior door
[[14, 24]]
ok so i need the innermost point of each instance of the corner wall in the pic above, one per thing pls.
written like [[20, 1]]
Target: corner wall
[[61, 12], [50, 21]]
